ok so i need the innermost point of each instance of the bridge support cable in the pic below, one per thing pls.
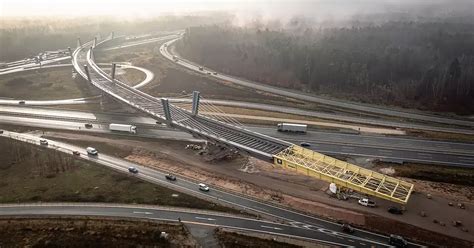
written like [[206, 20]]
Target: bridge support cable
[[344, 174], [211, 110]]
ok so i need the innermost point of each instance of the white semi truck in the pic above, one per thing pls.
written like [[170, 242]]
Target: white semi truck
[[291, 127], [123, 128]]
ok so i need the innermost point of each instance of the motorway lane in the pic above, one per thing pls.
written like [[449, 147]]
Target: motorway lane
[[186, 217], [311, 98], [384, 148], [190, 187]]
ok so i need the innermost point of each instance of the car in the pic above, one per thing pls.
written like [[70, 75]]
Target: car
[[215, 73], [170, 177], [366, 202], [347, 228], [43, 142], [397, 241], [1, 131], [203, 187], [133, 170], [92, 151], [201, 68], [395, 210], [88, 125], [21, 102], [208, 73], [77, 153], [304, 144]]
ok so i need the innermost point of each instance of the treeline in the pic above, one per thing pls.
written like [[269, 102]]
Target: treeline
[[21, 38], [423, 65]]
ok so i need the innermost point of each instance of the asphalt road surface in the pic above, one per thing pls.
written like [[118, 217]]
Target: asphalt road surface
[[381, 147], [314, 227]]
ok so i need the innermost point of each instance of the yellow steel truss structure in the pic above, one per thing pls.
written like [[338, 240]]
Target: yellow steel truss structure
[[344, 174]]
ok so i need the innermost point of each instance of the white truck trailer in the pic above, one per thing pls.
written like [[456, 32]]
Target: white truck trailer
[[123, 128], [291, 127]]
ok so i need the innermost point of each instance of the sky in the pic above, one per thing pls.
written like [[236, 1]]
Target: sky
[[148, 8]]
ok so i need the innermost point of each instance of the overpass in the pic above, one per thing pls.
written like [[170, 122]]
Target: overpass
[[238, 138]]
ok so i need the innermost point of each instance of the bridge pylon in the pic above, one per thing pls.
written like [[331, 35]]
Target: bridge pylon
[[195, 108], [79, 43], [87, 73], [112, 73], [166, 110]]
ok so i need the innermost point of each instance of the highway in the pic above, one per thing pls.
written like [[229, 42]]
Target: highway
[[312, 98], [313, 227], [382, 147]]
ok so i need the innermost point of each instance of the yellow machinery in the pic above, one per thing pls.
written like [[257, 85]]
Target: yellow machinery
[[344, 174]]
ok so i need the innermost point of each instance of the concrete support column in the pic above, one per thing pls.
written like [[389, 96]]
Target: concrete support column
[[79, 43], [196, 97], [95, 42], [113, 72], [166, 110], [87, 73], [91, 54]]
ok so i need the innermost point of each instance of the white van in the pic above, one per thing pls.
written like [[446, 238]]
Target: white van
[[91, 151], [203, 187]]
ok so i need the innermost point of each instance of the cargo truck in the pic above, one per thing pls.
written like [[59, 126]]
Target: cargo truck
[[123, 128], [290, 127]]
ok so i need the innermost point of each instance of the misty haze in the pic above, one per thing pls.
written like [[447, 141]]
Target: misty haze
[[236, 123]]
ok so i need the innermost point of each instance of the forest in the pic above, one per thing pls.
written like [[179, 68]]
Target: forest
[[423, 65]]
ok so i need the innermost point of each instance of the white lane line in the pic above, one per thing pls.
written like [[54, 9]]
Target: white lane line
[[270, 227], [140, 212], [202, 218]]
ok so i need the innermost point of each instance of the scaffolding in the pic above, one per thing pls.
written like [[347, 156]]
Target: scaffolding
[[344, 174]]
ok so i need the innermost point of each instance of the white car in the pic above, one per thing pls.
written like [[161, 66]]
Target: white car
[[366, 202], [43, 142], [203, 187], [92, 151]]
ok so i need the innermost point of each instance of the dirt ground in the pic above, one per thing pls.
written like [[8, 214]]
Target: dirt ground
[[91, 232], [296, 190]]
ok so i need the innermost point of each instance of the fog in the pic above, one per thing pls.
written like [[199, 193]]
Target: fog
[[245, 11]]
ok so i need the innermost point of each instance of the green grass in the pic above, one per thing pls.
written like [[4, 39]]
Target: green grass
[[33, 174], [44, 84]]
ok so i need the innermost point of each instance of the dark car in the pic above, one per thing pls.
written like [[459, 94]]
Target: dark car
[[395, 210], [304, 144], [88, 125], [133, 170], [170, 177], [347, 228], [77, 153], [397, 241]]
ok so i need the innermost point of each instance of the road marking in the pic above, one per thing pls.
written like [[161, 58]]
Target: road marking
[[270, 227], [139, 212], [202, 218]]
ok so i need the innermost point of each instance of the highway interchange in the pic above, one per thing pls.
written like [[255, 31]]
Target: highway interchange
[[297, 224]]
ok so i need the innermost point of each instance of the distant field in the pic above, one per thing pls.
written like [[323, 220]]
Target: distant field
[[34, 174], [44, 84]]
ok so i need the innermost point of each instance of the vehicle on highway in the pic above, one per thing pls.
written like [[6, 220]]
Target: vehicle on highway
[[3, 65], [1, 131], [397, 241], [366, 202], [92, 151], [203, 187], [347, 228], [77, 153], [43, 142], [21, 102], [215, 73], [395, 210], [123, 128], [291, 127], [88, 125], [304, 144], [201, 68], [133, 170], [170, 177]]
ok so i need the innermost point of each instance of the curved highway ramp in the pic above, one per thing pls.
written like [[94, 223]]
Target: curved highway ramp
[[264, 147]]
